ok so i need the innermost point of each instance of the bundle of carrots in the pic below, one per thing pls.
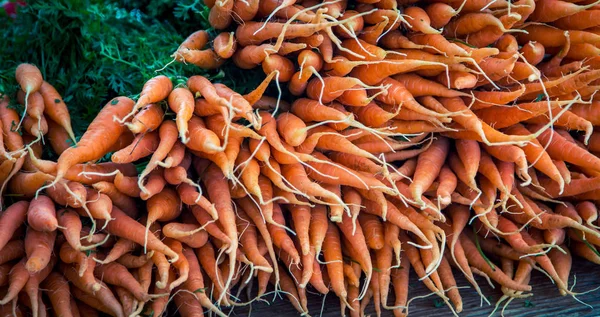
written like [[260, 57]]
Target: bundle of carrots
[[438, 137]]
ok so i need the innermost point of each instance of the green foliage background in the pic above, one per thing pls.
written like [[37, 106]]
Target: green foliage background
[[93, 50]]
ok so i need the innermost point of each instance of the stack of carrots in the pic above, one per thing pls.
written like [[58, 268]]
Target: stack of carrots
[[432, 138]]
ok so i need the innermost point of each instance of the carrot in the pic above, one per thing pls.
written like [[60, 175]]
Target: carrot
[[17, 279], [400, 278], [121, 247], [279, 235], [164, 206], [333, 257], [517, 113], [124, 202], [41, 215], [493, 246], [561, 149], [143, 145], [181, 101], [476, 260], [419, 86], [588, 112], [373, 74], [418, 21], [224, 44], [567, 120], [149, 118], [249, 242], [125, 298], [297, 177], [127, 184], [117, 274], [103, 300], [445, 273], [186, 303], [218, 192], [58, 291], [89, 147], [384, 264], [25, 184], [205, 219], [30, 79], [291, 128], [125, 227], [429, 161], [578, 21], [373, 230], [533, 52], [37, 129], [168, 137], [32, 288], [195, 282], [11, 251], [58, 137], [441, 13], [491, 33], [507, 43], [552, 10], [487, 134], [56, 109], [207, 260], [245, 11], [344, 176], [10, 220], [38, 247], [471, 23], [35, 103], [588, 212], [154, 90]]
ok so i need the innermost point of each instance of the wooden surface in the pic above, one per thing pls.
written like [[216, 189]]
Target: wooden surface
[[546, 300]]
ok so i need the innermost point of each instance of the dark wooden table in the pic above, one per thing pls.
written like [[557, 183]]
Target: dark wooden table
[[546, 300]]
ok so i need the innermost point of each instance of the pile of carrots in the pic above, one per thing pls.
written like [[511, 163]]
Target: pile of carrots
[[426, 137]]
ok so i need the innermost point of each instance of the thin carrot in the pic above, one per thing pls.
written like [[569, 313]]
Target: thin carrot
[[38, 247], [41, 214]]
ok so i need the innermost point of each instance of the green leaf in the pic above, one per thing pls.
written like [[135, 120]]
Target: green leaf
[[539, 97], [589, 245], [487, 260], [527, 303], [200, 290]]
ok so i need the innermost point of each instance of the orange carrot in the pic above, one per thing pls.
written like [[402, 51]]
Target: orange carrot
[[333, 257], [181, 101], [58, 291], [30, 79], [552, 10], [56, 109], [11, 219], [125, 227], [38, 246], [218, 191], [89, 147], [428, 167], [148, 119], [41, 215], [117, 274], [17, 279]]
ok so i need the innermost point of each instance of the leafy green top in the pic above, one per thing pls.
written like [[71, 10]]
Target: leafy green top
[[94, 50]]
